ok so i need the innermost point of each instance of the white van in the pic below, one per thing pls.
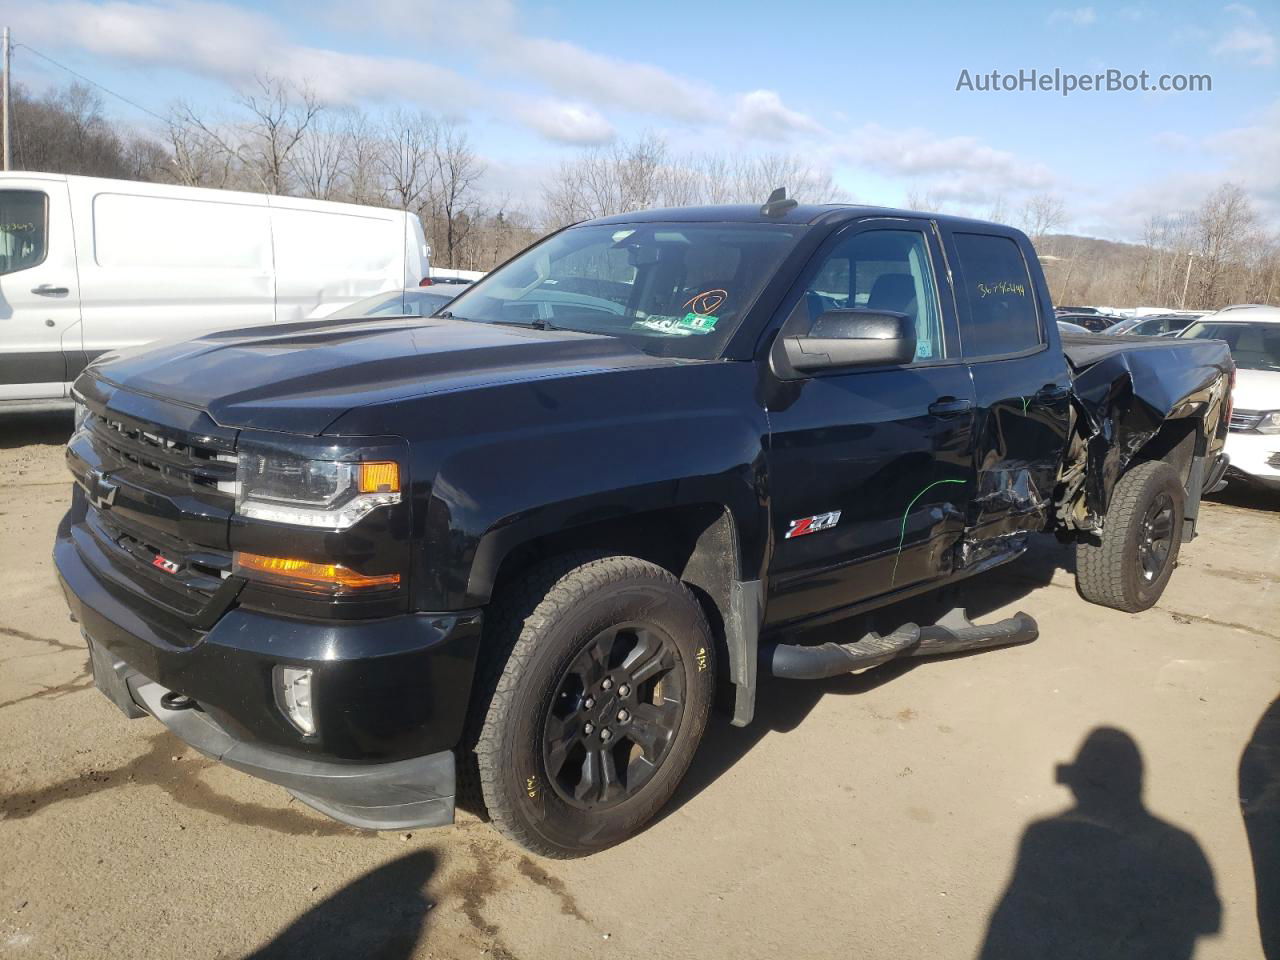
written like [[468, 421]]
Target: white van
[[90, 265]]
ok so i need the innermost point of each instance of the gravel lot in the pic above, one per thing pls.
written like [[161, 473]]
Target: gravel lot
[[876, 816]]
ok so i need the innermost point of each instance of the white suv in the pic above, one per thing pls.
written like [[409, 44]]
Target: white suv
[[1253, 333]]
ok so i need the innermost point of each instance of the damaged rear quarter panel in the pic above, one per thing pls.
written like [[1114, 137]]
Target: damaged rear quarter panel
[[1124, 391]]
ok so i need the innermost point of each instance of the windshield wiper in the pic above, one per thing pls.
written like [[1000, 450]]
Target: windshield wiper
[[531, 325], [534, 324]]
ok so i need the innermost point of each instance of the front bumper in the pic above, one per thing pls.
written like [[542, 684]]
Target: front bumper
[[1255, 456], [390, 695]]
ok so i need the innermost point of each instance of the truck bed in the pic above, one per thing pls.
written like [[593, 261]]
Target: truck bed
[[1085, 350]]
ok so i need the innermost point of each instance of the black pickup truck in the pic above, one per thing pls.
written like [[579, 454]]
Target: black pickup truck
[[516, 550]]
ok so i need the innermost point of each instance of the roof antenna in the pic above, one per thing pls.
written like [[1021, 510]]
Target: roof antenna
[[778, 204]]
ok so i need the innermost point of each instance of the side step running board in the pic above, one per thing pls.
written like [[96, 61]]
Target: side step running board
[[954, 633]]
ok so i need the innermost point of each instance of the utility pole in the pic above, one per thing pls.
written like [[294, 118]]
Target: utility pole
[[4, 94], [1186, 282]]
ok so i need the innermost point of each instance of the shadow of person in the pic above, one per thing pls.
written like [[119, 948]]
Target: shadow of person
[[1106, 879], [379, 916], [1260, 805]]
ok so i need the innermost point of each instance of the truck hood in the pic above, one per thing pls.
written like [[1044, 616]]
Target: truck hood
[[1256, 390], [300, 377]]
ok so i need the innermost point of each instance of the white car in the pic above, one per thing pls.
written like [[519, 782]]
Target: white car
[[1253, 333], [90, 265]]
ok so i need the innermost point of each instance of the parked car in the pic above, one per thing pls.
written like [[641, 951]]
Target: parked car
[[90, 265], [526, 536], [1093, 322], [413, 302], [1253, 334], [1072, 328], [1158, 325], [1076, 310]]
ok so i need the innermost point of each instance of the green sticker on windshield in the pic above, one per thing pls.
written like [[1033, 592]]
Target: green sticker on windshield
[[699, 323], [689, 324]]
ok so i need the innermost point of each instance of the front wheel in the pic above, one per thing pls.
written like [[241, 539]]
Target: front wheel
[[1131, 562], [596, 710]]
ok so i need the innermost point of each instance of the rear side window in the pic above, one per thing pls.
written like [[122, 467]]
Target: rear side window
[[1002, 316], [24, 219]]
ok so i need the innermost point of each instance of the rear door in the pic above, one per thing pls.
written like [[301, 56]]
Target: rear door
[[39, 290], [1021, 384], [870, 469]]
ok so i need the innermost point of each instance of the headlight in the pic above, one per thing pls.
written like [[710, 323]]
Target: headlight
[[328, 494], [1270, 422]]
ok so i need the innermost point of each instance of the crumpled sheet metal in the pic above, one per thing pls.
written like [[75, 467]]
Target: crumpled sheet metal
[[1124, 398]]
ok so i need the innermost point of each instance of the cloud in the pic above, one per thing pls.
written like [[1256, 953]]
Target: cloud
[[566, 122], [1074, 16], [233, 44], [956, 162], [603, 81], [1255, 45], [491, 30], [761, 115]]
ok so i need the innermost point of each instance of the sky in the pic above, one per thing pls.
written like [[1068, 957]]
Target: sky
[[867, 91]]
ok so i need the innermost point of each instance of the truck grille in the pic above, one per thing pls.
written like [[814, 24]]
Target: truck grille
[[181, 460], [1245, 419], [163, 529]]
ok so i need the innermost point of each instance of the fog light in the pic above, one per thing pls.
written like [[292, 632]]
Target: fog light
[[293, 688]]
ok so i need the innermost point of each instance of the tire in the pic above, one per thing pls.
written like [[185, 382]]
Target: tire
[[582, 646], [1129, 565]]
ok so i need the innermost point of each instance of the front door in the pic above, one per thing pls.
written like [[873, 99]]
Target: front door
[[871, 470], [39, 290]]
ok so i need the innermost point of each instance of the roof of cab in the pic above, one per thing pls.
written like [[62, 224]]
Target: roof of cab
[[804, 213]]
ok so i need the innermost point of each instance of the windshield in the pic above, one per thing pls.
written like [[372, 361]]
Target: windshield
[[1254, 346], [395, 303], [674, 289]]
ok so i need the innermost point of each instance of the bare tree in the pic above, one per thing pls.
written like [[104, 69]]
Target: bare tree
[[318, 163], [1042, 214], [453, 200], [406, 159], [1224, 226], [364, 159], [201, 157], [280, 113]]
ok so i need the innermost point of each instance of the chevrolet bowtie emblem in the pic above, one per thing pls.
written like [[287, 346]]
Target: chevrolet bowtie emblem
[[101, 491]]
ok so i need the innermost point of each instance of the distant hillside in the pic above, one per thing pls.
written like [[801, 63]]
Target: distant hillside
[[1089, 270]]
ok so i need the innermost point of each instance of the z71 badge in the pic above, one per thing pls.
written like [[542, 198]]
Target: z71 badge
[[814, 524]]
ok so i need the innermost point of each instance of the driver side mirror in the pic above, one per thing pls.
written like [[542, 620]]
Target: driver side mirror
[[841, 339]]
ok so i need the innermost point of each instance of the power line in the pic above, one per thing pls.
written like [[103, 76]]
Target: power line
[[93, 83]]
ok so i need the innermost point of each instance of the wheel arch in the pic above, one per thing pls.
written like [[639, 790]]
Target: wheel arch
[[702, 543]]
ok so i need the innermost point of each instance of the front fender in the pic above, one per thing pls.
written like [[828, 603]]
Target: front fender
[[547, 458]]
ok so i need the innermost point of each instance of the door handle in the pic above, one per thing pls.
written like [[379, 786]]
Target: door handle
[[949, 406], [49, 290]]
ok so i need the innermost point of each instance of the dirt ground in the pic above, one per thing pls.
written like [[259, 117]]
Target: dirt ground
[[912, 811]]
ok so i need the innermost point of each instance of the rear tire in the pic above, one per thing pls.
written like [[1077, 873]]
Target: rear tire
[[1129, 565], [599, 684]]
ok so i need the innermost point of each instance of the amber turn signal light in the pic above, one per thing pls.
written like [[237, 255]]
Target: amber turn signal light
[[379, 476], [330, 578]]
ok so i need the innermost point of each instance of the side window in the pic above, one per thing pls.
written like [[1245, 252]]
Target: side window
[[24, 224], [882, 270], [1002, 315]]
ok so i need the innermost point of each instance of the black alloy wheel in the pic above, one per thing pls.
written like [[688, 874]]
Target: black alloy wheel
[[612, 721]]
